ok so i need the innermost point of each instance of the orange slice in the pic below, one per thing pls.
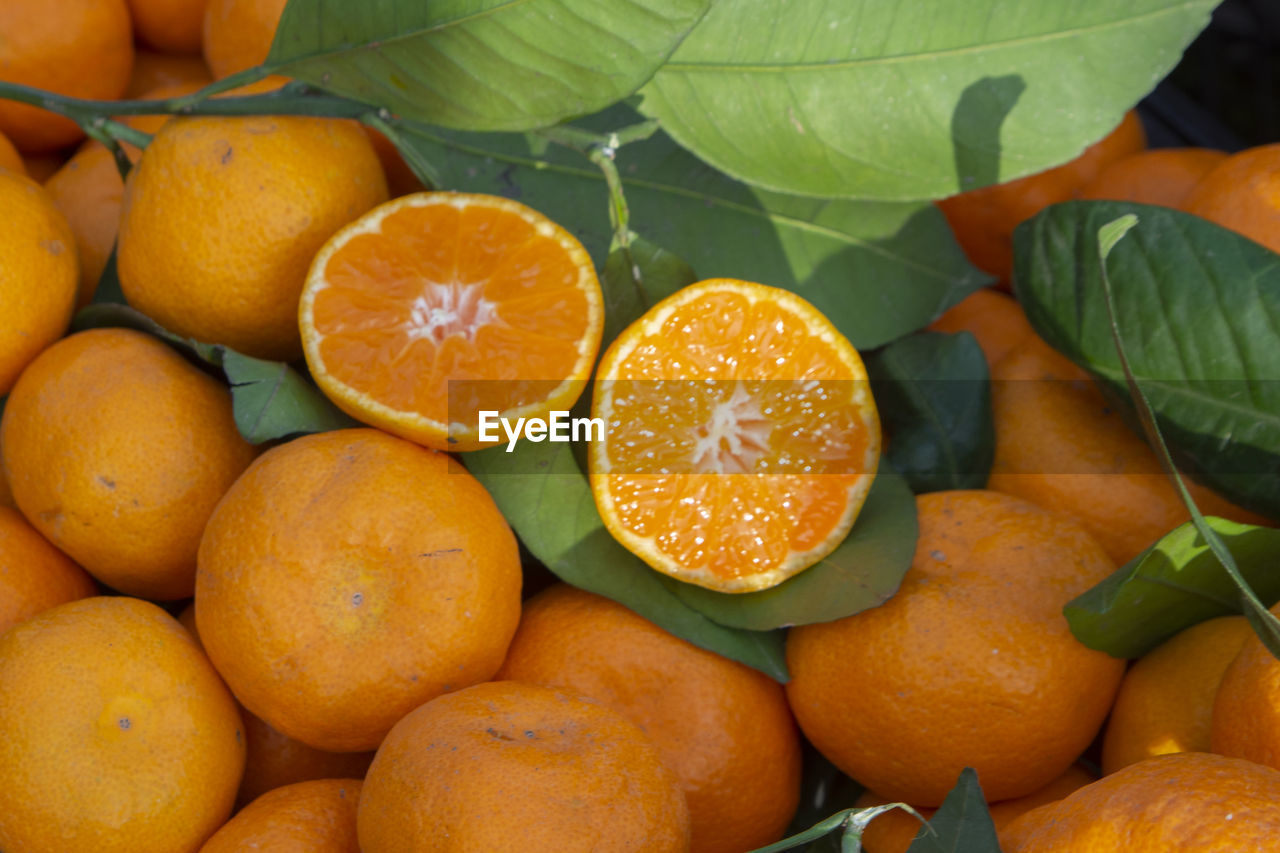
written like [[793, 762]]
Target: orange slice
[[740, 436], [436, 306]]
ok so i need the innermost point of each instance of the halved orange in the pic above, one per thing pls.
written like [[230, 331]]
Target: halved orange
[[740, 436], [436, 306]]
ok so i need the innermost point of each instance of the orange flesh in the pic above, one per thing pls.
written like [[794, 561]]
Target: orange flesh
[[470, 293], [800, 420]]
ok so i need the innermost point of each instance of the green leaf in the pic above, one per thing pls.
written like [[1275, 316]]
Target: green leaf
[[910, 99], [934, 395], [1198, 308], [1174, 584], [108, 290], [962, 824], [635, 278], [863, 572], [877, 270], [546, 500], [480, 64], [107, 315]]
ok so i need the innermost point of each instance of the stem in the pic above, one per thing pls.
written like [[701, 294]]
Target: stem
[[619, 213]]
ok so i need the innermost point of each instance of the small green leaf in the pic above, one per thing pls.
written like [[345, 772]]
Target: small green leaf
[[1174, 584], [546, 500], [108, 315], [272, 400], [934, 395], [962, 824], [108, 289], [480, 64], [863, 572], [635, 278]]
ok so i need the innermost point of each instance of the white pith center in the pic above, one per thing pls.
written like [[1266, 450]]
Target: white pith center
[[449, 309], [733, 438]]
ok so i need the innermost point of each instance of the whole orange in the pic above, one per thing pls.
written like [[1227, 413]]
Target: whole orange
[[223, 215], [1164, 176], [34, 575], [1243, 193], [995, 319], [1246, 708], [119, 735], [1165, 703], [238, 33], [307, 817], [117, 450], [506, 766], [82, 48], [1184, 801], [984, 219], [176, 26], [38, 276], [350, 576], [722, 727], [970, 664]]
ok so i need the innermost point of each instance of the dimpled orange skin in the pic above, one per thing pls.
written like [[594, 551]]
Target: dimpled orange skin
[[38, 276], [970, 664], [309, 817], [82, 48], [34, 575], [238, 33], [350, 576], [119, 735], [1165, 703], [223, 215], [1184, 801], [1243, 193], [995, 319], [1246, 709], [507, 766], [117, 449], [1163, 176], [722, 727]]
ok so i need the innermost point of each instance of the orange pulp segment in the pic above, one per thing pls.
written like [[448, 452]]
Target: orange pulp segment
[[438, 305], [740, 436]]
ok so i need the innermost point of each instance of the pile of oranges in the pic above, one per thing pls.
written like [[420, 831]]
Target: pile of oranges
[[327, 644]]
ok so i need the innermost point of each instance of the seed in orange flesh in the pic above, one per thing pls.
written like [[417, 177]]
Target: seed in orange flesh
[[740, 436], [438, 288]]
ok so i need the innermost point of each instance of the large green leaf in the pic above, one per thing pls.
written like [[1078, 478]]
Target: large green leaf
[[1198, 309], [481, 64], [962, 824], [863, 572], [545, 497], [1174, 584], [878, 270], [934, 396], [903, 99]]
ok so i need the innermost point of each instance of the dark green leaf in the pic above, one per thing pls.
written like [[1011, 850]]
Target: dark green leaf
[[108, 289], [635, 278], [272, 400], [877, 270], [934, 395], [545, 497], [863, 572], [1198, 309], [910, 99], [962, 824], [481, 64], [107, 315], [1174, 584]]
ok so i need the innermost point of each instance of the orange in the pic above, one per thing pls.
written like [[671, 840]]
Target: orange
[[119, 735], [511, 766], [1185, 801], [34, 575], [117, 450], [348, 577], [984, 219], [723, 728], [1165, 703], [308, 817], [995, 319], [152, 70], [10, 158], [38, 276], [760, 384], [1246, 708], [176, 26], [1243, 193], [1060, 444], [40, 167], [438, 287], [1164, 176], [6, 494], [238, 33], [970, 664], [223, 215], [893, 831], [82, 48]]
